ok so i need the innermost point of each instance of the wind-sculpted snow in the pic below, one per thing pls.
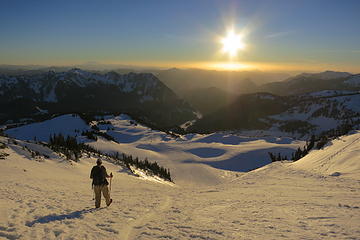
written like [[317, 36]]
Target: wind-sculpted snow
[[240, 162], [189, 154], [151, 147], [125, 137], [206, 152]]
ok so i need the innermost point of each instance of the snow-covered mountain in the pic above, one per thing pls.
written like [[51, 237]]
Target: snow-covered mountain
[[297, 115], [313, 82], [43, 87], [76, 90], [327, 75]]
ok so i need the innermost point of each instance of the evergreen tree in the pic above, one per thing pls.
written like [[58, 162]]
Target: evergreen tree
[[311, 143]]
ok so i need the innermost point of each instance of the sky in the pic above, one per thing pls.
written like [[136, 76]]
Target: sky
[[279, 35]]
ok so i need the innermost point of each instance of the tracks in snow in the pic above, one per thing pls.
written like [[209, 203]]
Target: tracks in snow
[[129, 231]]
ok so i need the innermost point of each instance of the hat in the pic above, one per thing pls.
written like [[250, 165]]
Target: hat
[[98, 162]]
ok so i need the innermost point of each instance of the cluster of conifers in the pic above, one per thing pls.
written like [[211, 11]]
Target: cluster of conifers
[[74, 150], [315, 141]]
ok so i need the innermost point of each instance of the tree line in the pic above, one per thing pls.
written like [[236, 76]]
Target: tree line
[[153, 168], [73, 151], [317, 142]]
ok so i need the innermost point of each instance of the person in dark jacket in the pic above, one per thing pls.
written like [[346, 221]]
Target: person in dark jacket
[[100, 184]]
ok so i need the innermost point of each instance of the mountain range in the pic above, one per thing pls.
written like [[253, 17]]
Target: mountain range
[[300, 105], [297, 115], [43, 94], [306, 82], [224, 88]]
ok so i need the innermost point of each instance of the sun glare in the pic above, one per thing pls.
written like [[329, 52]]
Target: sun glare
[[232, 43], [230, 66]]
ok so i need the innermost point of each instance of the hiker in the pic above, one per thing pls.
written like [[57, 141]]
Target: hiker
[[100, 184]]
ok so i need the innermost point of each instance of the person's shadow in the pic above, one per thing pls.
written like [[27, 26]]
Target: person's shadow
[[54, 217]]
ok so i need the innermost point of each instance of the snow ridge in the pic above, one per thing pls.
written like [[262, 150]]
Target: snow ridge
[[46, 83], [327, 75]]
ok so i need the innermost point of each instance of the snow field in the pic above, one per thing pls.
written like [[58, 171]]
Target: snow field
[[193, 159], [52, 198]]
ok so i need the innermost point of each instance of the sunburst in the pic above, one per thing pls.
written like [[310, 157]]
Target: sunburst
[[232, 43]]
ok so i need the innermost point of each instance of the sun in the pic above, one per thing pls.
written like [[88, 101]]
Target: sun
[[232, 43]]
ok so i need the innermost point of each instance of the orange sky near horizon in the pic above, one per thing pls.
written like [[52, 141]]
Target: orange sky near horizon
[[208, 65], [247, 66]]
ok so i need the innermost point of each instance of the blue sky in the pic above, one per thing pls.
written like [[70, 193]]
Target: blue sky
[[279, 34]]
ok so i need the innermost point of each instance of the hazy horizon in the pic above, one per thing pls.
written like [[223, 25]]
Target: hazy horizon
[[143, 68]]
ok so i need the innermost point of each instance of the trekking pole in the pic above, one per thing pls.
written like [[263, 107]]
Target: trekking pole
[[110, 180], [110, 184]]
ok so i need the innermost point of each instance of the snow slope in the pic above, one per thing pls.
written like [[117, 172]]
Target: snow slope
[[68, 125], [51, 199], [320, 114], [341, 157]]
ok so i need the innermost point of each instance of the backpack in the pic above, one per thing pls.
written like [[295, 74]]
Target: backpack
[[98, 174]]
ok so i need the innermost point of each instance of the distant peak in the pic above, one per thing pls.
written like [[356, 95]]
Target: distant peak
[[76, 70], [326, 75]]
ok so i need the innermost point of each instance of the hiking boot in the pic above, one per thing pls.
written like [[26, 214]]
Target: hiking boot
[[109, 202]]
